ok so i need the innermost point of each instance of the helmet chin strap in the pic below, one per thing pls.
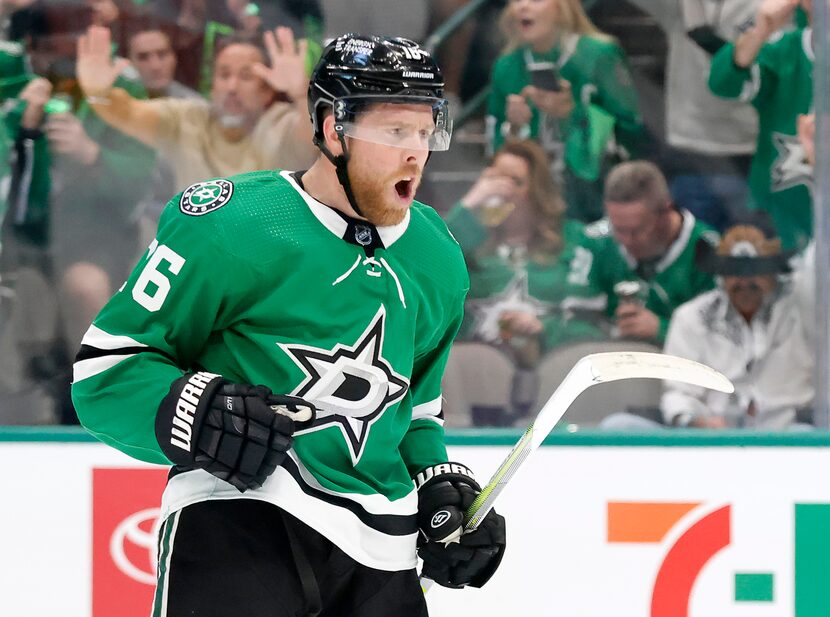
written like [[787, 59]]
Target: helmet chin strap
[[340, 163]]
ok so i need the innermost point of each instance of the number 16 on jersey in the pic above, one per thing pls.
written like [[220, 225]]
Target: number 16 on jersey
[[153, 284]]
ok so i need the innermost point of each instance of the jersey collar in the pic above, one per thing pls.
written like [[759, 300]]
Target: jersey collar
[[558, 55], [675, 249], [337, 223]]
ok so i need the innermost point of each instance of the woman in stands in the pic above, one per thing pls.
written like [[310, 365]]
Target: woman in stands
[[519, 248], [567, 85]]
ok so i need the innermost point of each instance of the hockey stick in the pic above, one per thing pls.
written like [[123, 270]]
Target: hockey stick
[[588, 371]]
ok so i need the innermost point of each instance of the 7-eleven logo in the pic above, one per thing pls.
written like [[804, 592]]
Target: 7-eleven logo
[[709, 533]]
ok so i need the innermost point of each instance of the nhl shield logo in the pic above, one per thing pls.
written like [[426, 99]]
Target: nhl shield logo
[[204, 197], [363, 235]]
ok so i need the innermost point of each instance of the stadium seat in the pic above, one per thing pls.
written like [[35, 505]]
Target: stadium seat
[[599, 401], [477, 376]]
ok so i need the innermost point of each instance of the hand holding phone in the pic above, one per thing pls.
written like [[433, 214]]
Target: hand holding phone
[[557, 104], [545, 77]]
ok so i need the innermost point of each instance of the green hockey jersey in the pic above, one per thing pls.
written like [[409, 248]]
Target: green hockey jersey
[[253, 279], [24, 195], [502, 281], [780, 87], [672, 280], [605, 114]]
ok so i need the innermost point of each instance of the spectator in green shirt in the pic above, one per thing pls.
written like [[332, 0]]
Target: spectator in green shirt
[[518, 244], [564, 83], [640, 259], [773, 70]]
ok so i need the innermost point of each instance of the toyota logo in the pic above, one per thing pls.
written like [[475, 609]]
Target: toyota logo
[[139, 531]]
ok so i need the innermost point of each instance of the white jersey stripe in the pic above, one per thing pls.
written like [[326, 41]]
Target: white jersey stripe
[[752, 86], [95, 337], [171, 544], [373, 504], [93, 366], [427, 411], [365, 545]]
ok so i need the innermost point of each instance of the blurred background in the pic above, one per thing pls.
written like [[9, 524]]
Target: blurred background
[[624, 175], [604, 155]]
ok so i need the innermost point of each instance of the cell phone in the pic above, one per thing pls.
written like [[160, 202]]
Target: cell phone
[[545, 77]]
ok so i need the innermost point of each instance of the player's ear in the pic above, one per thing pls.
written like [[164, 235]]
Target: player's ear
[[331, 137]]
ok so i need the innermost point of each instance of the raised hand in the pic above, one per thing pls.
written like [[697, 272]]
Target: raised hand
[[286, 56], [774, 15], [490, 183], [96, 69]]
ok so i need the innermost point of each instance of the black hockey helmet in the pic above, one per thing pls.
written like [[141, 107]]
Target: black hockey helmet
[[355, 71]]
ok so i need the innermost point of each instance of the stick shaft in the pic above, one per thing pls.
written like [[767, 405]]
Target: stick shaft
[[589, 371]]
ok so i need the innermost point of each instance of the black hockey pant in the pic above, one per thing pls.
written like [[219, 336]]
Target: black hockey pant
[[247, 558]]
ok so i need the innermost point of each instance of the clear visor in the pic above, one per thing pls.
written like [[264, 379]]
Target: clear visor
[[416, 123]]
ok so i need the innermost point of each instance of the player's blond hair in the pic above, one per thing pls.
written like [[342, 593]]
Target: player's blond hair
[[572, 20]]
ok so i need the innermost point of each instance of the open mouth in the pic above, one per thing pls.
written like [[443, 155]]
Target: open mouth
[[404, 188], [525, 23]]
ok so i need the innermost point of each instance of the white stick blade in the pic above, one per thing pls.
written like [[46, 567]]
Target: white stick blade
[[612, 366]]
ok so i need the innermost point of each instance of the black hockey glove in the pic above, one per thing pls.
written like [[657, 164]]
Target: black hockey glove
[[445, 492], [239, 433]]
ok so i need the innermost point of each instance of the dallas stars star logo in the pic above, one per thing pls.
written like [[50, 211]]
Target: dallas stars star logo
[[790, 167], [514, 297], [204, 197], [351, 385]]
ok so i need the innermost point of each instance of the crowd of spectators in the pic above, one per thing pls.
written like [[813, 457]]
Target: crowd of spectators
[[583, 225]]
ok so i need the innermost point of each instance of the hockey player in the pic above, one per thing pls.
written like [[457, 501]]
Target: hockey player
[[341, 295]]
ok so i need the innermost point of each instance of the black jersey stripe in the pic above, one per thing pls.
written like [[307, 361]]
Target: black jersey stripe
[[88, 352], [390, 524]]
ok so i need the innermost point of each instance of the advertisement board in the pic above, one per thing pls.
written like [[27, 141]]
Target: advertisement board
[[592, 531]]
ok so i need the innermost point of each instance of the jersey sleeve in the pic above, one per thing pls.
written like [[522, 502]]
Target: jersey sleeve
[[584, 288], [617, 95], [169, 113], [124, 164], [423, 444], [496, 107], [152, 331], [25, 182], [582, 305], [466, 228], [753, 84]]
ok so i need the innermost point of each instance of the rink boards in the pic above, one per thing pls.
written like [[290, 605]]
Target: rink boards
[[598, 525]]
